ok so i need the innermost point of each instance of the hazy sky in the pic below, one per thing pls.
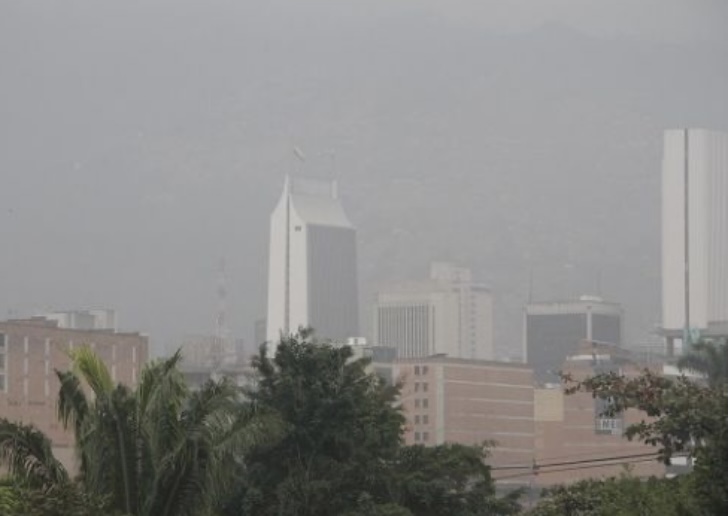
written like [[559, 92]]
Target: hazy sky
[[140, 141]]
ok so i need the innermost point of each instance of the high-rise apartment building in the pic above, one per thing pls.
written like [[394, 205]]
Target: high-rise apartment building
[[553, 330], [694, 233], [312, 270], [447, 314]]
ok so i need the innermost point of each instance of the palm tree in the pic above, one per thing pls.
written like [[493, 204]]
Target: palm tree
[[159, 449], [710, 358], [27, 454]]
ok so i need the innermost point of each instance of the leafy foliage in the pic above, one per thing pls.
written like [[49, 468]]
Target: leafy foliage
[[17, 498], [342, 452], [447, 479], [28, 455], [159, 449], [709, 358], [341, 429], [684, 417], [624, 496]]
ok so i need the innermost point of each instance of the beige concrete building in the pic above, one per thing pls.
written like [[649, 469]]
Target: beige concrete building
[[574, 440], [543, 436], [30, 352], [448, 313], [470, 402]]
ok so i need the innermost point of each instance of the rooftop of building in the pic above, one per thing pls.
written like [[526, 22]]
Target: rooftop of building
[[50, 324], [443, 277], [565, 305], [316, 201], [448, 360]]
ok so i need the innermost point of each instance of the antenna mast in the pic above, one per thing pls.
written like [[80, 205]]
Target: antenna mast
[[222, 334]]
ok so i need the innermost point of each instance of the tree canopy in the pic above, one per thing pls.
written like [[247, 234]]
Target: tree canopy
[[343, 451], [157, 450], [682, 417]]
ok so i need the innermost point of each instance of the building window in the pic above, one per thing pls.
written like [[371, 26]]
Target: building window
[[425, 419], [425, 436], [417, 370], [425, 403], [417, 437], [417, 386], [417, 403], [417, 419], [424, 369], [3, 361], [424, 387]]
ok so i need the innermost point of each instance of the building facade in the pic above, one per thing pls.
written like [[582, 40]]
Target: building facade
[[553, 330], [30, 353], [694, 227], [542, 435], [449, 313], [575, 439], [312, 268], [450, 400]]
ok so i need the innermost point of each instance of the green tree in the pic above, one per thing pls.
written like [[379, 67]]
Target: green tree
[[341, 430], [619, 496], [448, 479], [684, 417], [343, 453], [710, 358], [159, 449], [39, 485]]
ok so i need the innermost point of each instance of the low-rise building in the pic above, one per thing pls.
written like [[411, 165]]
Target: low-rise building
[[574, 438], [469, 402], [32, 350]]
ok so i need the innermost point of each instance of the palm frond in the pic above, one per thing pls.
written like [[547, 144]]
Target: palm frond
[[73, 406], [28, 454], [89, 366]]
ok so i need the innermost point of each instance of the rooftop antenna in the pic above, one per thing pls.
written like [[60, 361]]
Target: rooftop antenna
[[530, 285], [222, 334], [300, 156]]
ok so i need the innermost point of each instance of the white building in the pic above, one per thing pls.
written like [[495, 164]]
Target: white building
[[449, 314], [694, 175], [312, 275], [103, 319]]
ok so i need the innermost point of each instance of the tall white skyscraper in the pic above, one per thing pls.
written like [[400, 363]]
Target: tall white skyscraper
[[312, 271], [694, 232], [448, 313]]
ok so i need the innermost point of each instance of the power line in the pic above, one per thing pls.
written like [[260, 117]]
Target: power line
[[573, 468], [582, 461], [568, 463]]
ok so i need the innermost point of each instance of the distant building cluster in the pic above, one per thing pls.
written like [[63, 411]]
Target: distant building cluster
[[435, 335]]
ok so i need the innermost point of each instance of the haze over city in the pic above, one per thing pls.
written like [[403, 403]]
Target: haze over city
[[140, 142]]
